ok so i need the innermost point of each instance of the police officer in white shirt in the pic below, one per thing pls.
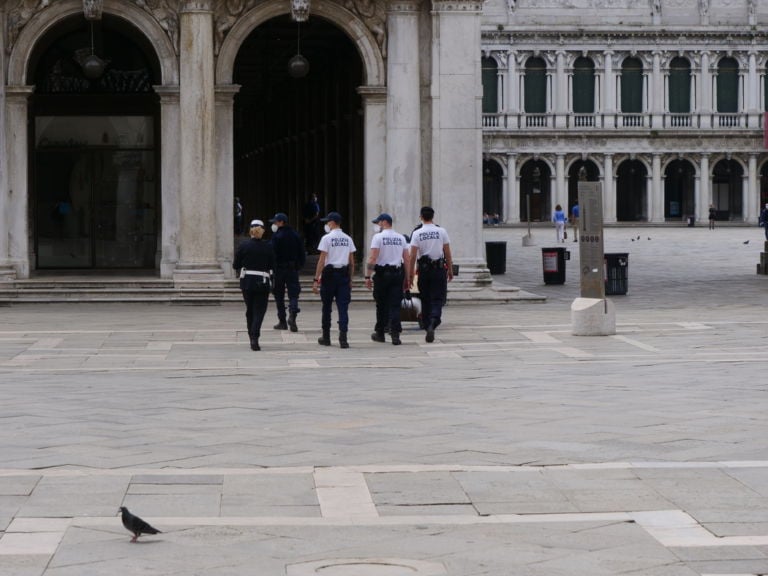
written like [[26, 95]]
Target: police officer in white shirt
[[333, 277], [388, 262], [431, 258]]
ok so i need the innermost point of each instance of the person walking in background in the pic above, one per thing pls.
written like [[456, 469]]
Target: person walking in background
[[311, 216], [558, 217], [431, 259], [238, 214], [333, 277], [575, 221], [289, 258], [388, 262], [764, 220], [712, 216], [254, 262]]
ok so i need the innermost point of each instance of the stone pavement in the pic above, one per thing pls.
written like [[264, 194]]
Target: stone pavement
[[507, 447]]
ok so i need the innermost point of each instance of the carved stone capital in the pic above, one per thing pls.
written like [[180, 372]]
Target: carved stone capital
[[187, 6], [457, 5]]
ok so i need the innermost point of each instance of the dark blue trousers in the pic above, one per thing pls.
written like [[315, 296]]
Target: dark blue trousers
[[286, 279], [336, 286], [256, 304], [388, 293], [433, 290]]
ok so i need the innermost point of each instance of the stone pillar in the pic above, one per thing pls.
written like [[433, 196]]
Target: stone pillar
[[511, 192], [374, 170], [512, 104], [225, 177], [197, 234], [561, 92], [170, 157], [657, 93], [704, 188], [609, 88], [705, 106], [560, 195], [403, 115], [751, 192], [15, 255], [457, 132], [609, 196], [656, 196], [754, 119]]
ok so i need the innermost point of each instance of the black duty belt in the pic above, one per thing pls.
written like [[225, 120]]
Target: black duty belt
[[387, 268], [336, 269], [426, 262]]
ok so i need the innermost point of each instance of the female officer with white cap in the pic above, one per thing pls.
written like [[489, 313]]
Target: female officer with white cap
[[254, 262]]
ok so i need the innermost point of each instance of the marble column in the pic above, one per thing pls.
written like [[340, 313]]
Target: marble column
[[403, 117], [374, 170], [197, 233], [754, 118], [225, 176], [704, 189], [512, 104], [705, 104], [15, 254], [168, 245], [561, 92], [609, 196], [656, 197], [751, 192], [511, 192], [657, 93], [609, 87], [456, 132], [560, 192]]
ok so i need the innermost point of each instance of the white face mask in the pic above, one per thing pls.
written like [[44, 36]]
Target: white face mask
[[274, 228], [327, 229], [376, 228]]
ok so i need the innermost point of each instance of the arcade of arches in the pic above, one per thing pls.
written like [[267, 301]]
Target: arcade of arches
[[133, 161]]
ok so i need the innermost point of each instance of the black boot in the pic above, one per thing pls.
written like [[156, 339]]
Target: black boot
[[396, 338], [325, 339], [378, 336], [281, 325], [343, 340], [255, 344], [292, 322], [430, 331]]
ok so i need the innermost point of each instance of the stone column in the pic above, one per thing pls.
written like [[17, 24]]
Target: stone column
[[457, 133], [609, 196], [751, 192], [560, 195], [561, 92], [15, 254], [197, 234], [754, 119], [704, 189], [170, 155], [705, 104], [657, 92], [374, 170], [609, 89], [513, 85], [225, 176], [403, 115], [656, 196], [511, 192]]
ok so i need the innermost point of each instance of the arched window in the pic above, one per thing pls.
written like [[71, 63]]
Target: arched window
[[583, 86], [632, 86], [490, 86], [680, 86], [535, 86], [728, 86]]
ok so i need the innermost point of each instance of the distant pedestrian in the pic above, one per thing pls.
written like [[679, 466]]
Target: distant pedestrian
[[388, 263], [431, 258], [289, 258], [558, 217], [238, 216], [333, 277], [712, 216], [312, 224], [254, 262], [764, 220], [575, 221]]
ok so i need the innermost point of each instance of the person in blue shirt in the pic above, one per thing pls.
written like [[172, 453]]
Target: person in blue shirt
[[575, 221], [558, 217]]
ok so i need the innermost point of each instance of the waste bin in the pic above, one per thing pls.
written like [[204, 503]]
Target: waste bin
[[496, 257], [616, 273], [553, 263], [691, 221]]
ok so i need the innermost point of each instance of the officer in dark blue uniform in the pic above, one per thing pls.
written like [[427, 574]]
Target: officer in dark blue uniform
[[289, 258], [254, 262]]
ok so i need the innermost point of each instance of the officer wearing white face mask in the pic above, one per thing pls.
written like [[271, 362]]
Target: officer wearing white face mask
[[388, 263], [289, 255], [333, 277]]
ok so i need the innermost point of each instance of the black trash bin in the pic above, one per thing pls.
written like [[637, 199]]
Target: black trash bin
[[496, 256], [616, 273], [553, 264]]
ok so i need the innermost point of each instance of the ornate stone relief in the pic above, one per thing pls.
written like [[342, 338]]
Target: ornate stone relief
[[166, 12], [373, 13], [19, 13]]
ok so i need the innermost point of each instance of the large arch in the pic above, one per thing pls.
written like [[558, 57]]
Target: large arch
[[373, 62], [46, 19]]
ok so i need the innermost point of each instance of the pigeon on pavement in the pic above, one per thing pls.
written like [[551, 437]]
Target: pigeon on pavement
[[745, 242], [136, 525]]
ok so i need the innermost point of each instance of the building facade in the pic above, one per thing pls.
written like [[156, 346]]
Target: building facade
[[129, 126], [662, 101]]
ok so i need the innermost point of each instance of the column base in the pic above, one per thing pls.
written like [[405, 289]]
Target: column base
[[593, 317], [528, 240], [7, 273], [198, 275]]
